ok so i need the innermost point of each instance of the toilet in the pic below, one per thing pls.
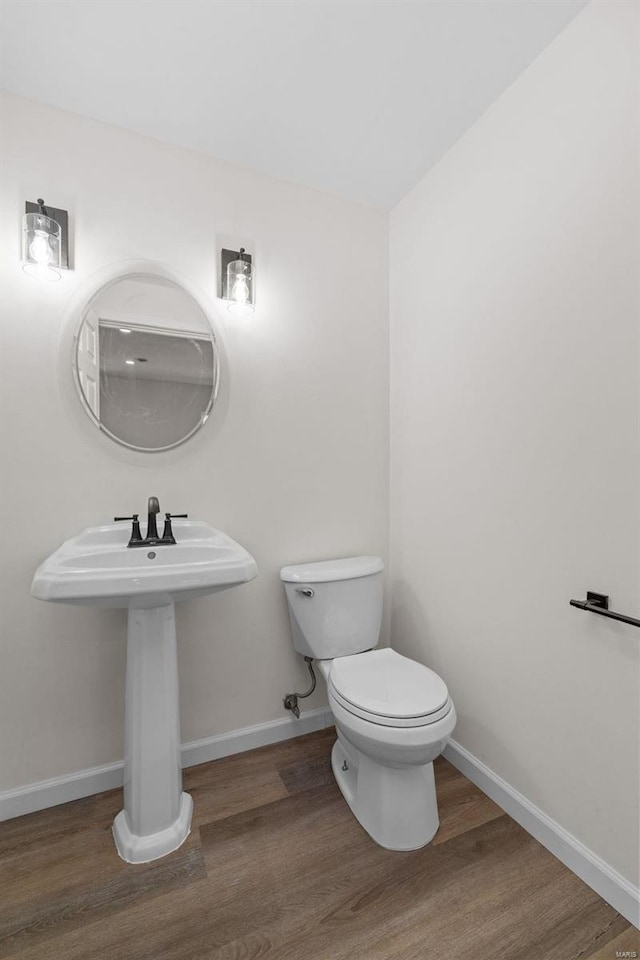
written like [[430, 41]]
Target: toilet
[[393, 716]]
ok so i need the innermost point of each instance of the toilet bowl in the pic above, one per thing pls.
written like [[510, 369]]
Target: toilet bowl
[[393, 715]]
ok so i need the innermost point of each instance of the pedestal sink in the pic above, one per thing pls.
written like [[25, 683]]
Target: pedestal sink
[[97, 568]]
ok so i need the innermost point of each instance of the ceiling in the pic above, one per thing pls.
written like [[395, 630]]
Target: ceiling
[[357, 97]]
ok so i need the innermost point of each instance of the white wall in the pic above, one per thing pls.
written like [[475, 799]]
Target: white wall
[[293, 465], [515, 469]]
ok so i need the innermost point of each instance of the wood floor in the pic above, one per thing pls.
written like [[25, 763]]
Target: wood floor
[[276, 868]]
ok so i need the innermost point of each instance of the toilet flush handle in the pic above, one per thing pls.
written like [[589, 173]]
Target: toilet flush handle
[[306, 591]]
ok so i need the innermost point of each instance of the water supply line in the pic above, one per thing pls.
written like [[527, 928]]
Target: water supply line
[[291, 699]]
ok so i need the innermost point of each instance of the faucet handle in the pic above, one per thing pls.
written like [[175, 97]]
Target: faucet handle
[[136, 536], [167, 533]]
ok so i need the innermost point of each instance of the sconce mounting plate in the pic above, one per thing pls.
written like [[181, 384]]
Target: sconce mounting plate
[[61, 217]]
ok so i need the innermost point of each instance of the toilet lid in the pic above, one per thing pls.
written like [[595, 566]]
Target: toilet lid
[[384, 683]]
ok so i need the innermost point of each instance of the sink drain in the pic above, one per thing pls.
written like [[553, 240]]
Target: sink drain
[[151, 555]]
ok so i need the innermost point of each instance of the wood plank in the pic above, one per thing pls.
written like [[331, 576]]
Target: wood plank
[[625, 944], [237, 895], [461, 805], [54, 823], [62, 885], [226, 787], [280, 869], [144, 931], [306, 774], [490, 892], [298, 879]]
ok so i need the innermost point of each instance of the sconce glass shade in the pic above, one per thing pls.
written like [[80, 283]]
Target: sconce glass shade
[[41, 246], [240, 284]]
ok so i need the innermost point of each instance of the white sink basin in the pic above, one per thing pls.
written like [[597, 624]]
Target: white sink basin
[[98, 568]]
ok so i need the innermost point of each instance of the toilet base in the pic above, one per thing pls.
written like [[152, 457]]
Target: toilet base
[[397, 806]]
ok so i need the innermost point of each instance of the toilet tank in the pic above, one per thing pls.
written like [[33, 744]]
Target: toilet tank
[[335, 606]]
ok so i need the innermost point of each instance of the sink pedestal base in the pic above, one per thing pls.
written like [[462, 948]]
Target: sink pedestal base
[[137, 849], [157, 815]]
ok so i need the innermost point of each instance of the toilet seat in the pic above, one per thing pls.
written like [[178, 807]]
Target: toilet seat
[[383, 687], [376, 718]]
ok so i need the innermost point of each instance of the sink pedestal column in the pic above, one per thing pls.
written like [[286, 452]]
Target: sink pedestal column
[[157, 814]]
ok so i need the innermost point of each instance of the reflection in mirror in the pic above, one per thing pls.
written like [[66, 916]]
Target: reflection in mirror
[[146, 362]]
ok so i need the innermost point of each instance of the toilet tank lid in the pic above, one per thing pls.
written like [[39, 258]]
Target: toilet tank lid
[[325, 571]]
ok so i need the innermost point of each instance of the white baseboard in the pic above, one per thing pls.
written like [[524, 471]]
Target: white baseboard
[[85, 783], [49, 793], [248, 738], [607, 882]]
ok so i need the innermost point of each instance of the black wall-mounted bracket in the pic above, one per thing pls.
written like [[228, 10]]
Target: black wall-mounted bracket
[[599, 603]]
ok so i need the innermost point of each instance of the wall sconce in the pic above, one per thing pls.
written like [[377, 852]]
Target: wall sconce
[[237, 279], [44, 241]]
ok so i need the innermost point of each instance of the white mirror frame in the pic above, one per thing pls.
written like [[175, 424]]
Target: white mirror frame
[[93, 287]]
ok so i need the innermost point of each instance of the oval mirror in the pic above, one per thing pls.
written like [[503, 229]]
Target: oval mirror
[[146, 362]]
